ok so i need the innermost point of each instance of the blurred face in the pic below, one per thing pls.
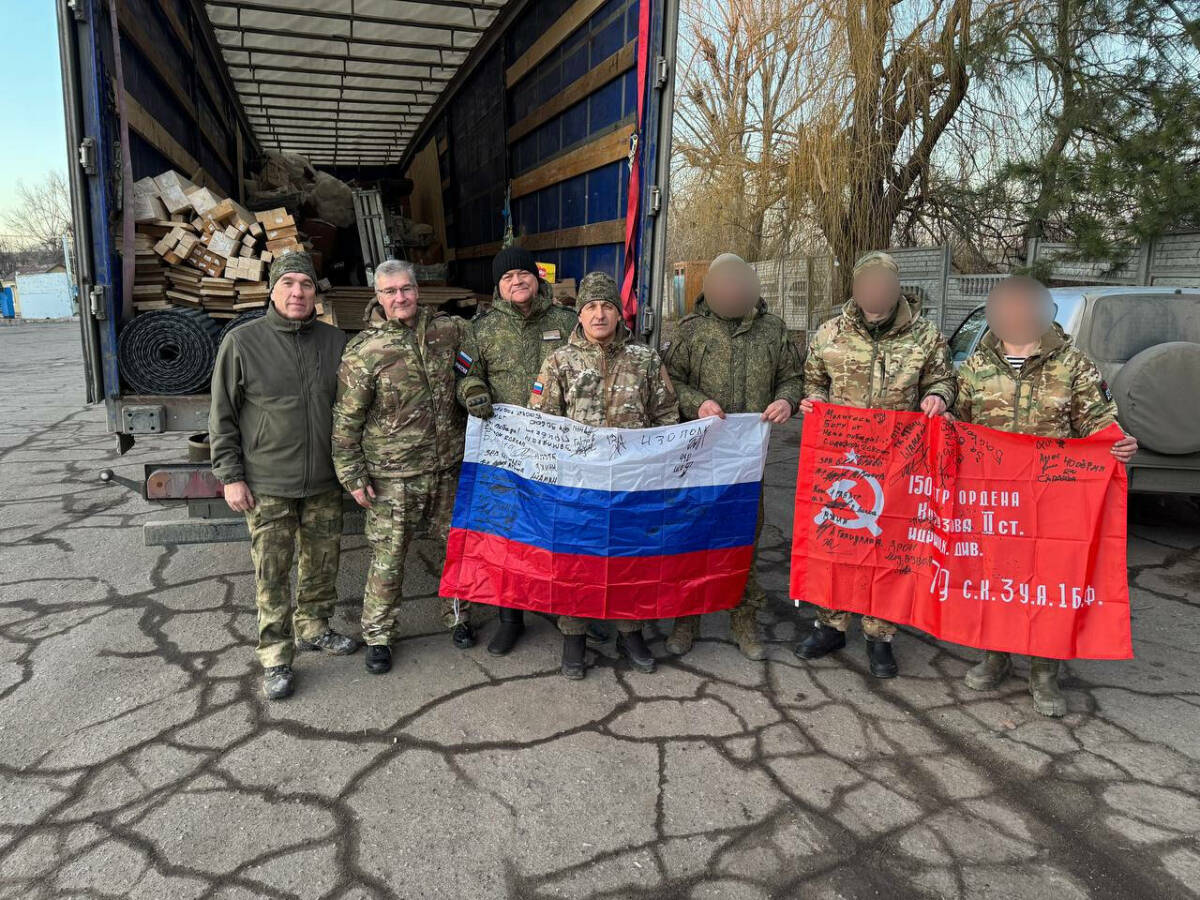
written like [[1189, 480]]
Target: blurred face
[[1018, 315], [731, 290], [518, 286], [877, 291], [398, 295], [294, 295], [599, 320]]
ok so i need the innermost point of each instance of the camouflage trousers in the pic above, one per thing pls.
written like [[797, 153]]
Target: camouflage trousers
[[277, 525], [576, 625], [401, 508], [873, 628]]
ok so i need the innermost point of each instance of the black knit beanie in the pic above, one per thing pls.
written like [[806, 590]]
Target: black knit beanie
[[512, 258]]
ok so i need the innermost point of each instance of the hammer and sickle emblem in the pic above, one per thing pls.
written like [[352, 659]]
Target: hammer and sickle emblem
[[842, 490]]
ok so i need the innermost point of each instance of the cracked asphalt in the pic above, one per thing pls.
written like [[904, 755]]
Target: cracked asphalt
[[138, 758]]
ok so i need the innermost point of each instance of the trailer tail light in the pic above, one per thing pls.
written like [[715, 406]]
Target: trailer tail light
[[182, 481]]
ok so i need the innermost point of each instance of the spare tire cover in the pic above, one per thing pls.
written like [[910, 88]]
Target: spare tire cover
[[1158, 397]]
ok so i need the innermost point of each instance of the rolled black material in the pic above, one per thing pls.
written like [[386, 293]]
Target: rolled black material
[[168, 351], [248, 316]]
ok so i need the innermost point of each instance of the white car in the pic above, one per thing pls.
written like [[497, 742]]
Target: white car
[[1146, 341]]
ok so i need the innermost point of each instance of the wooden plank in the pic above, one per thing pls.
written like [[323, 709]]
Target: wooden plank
[[145, 125], [427, 199], [136, 33], [551, 38], [177, 26], [617, 64], [476, 251], [610, 232], [613, 146]]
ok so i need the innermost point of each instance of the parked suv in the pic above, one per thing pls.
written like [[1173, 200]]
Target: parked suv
[[1146, 341]]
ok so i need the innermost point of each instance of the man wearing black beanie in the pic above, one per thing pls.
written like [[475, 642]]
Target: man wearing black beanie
[[500, 356]]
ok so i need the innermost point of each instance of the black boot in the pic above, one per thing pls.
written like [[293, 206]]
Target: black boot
[[463, 636], [379, 659], [574, 646], [512, 625], [880, 659], [634, 646], [821, 641]]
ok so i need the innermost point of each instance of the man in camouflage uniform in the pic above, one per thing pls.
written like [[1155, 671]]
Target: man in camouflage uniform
[[397, 447], [1027, 377], [602, 378], [732, 356], [878, 354], [269, 423], [501, 353]]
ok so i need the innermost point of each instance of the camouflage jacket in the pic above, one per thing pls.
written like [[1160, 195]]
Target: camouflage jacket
[[893, 370], [503, 350], [743, 364], [1058, 392], [395, 414], [623, 385]]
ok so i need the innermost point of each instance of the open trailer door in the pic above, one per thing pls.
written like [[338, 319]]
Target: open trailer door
[[546, 122]]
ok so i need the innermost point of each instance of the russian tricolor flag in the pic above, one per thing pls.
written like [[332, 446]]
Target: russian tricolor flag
[[559, 517]]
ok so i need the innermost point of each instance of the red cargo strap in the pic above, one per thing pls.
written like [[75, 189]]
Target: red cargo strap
[[629, 300]]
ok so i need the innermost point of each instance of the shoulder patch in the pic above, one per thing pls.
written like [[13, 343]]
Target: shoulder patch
[[1104, 391]]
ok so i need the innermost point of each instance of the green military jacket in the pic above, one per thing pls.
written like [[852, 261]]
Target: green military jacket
[[395, 415], [502, 350], [272, 393], [1058, 391], [621, 385], [894, 369], [743, 364]]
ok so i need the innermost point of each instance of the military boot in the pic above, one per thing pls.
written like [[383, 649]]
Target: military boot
[[822, 640], [278, 682], [379, 659], [633, 645], [330, 642], [990, 673], [744, 629], [880, 661], [683, 634], [574, 647], [512, 626], [1043, 684]]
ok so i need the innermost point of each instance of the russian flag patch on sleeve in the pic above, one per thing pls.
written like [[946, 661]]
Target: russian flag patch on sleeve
[[537, 387], [462, 363]]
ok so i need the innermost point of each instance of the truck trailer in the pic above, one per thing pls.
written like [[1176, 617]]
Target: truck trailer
[[545, 120]]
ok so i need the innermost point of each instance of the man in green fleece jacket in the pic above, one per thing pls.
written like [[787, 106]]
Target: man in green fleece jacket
[[269, 428]]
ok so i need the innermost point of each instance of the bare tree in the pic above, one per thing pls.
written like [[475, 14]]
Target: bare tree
[[895, 76], [43, 211], [739, 93]]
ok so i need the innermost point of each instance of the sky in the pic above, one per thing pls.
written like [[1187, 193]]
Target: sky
[[33, 141]]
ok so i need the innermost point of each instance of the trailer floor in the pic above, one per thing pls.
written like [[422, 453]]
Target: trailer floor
[[138, 758]]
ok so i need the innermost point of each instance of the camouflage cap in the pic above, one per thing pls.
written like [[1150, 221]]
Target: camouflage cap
[[876, 259], [296, 261], [598, 286]]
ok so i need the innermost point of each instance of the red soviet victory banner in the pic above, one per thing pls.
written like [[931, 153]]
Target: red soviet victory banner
[[993, 540]]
